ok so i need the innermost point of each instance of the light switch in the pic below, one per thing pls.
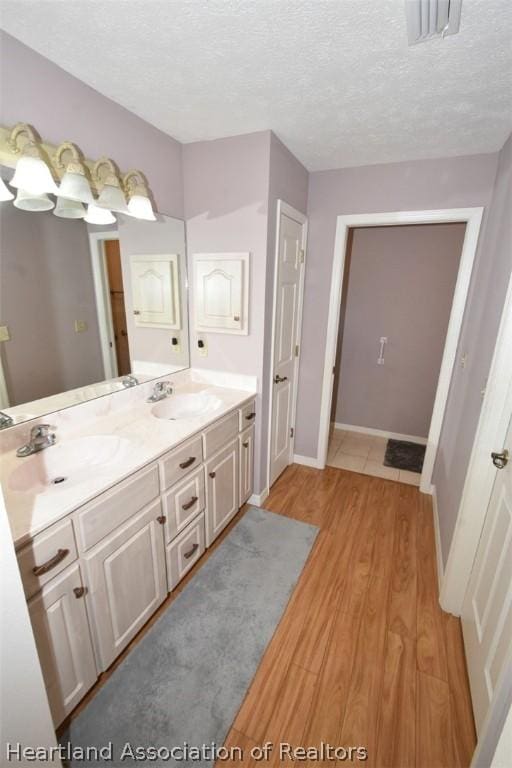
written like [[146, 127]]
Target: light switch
[[175, 344], [80, 326], [202, 346], [4, 333]]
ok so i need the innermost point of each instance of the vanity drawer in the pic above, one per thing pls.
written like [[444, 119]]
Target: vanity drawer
[[47, 555], [180, 462], [99, 518], [184, 551], [182, 503], [247, 415], [220, 433]]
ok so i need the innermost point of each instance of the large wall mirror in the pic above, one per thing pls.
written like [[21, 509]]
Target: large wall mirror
[[86, 311]]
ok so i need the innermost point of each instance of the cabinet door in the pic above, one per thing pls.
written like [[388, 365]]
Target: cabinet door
[[221, 292], [126, 579], [156, 291], [63, 640], [246, 464], [221, 490]]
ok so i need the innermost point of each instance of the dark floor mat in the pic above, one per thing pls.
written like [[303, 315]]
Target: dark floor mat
[[401, 454]]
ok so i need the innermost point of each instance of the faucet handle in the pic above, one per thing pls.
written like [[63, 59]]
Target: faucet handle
[[41, 430]]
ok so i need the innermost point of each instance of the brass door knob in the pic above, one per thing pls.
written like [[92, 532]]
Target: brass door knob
[[500, 460]]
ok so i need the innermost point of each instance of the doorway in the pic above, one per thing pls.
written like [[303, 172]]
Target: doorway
[[472, 219], [291, 232], [117, 305]]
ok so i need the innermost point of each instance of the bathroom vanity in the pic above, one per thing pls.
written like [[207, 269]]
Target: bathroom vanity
[[99, 557]]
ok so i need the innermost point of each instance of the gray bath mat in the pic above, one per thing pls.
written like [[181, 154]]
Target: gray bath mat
[[184, 682], [401, 454]]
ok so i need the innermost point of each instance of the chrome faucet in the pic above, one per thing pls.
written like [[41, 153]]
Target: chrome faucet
[[161, 390], [40, 438], [5, 420], [129, 381]]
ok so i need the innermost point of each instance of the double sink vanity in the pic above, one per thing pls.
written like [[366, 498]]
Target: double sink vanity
[[114, 504]]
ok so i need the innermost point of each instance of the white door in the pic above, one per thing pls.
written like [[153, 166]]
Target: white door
[[287, 315], [63, 641], [221, 491], [126, 580], [487, 608], [156, 292]]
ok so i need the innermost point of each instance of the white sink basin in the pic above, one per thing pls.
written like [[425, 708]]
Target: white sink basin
[[69, 463], [187, 406]]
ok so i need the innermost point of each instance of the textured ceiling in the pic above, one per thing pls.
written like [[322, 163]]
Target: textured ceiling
[[334, 79]]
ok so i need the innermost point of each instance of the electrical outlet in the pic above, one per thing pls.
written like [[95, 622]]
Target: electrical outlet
[[4, 333], [80, 326], [202, 346]]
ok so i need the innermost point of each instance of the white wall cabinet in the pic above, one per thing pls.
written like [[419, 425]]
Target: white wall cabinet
[[125, 574], [156, 291], [221, 490], [221, 292], [63, 640]]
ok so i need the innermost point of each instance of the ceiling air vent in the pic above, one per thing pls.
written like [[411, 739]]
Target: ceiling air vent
[[431, 18]]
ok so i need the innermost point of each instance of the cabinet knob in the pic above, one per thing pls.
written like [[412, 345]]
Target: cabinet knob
[[80, 591], [246, 444], [251, 416], [212, 474], [161, 519]]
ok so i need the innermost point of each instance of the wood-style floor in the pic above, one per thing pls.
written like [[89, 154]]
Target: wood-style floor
[[363, 655]]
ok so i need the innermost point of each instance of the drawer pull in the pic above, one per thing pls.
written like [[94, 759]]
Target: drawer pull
[[161, 519], [188, 462], [212, 475], [39, 570], [246, 444], [191, 551], [80, 591], [251, 416], [190, 503]]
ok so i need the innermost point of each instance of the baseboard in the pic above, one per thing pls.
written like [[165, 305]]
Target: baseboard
[[308, 461], [257, 499], [437, 534], [381, 433]]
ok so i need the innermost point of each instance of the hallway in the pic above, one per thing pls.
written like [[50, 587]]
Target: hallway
[[363, 655]]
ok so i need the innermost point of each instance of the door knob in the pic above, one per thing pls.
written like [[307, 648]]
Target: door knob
[[279, 379], [500, 460]]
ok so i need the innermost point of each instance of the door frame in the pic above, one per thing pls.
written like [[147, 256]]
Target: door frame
[[300, 218], [472, 217], [102, 297], [490, 435]]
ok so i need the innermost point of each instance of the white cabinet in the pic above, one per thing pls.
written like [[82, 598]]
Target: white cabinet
[[221, 292], [63, 640], [221, 490], [156, 291], [125, 574], [246, 451], [185, 551]]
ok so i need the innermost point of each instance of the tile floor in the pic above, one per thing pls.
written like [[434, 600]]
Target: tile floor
[[359, 452]]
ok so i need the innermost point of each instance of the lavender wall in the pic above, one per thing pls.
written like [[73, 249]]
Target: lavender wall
[[61, 107], [45, 285], [478, 337], [424, 184], [400, 285], [226, 198]]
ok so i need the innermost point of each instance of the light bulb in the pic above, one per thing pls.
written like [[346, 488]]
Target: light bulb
[[112, 197], [74, 186], [69, 209], [99, 216], [33, 175], [27, 201], [140, 207]]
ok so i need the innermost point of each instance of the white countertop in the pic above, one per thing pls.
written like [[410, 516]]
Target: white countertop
[[30, 513]]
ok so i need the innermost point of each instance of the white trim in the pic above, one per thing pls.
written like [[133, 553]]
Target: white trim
[[490, 436], [257, 499], [473, 218], [4, 393], [300, 218], [437, 534], [307, 461], [380, 433], [101, 295]]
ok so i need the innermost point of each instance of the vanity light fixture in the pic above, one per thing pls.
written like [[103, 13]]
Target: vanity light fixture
[[139, 203], [106, 177], [32, 173], [5, 192], [69, 209], [99, 216], [74, 184]]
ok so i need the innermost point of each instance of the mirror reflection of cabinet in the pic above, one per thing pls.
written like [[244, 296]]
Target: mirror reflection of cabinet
[[156, 291], [221, 292]]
